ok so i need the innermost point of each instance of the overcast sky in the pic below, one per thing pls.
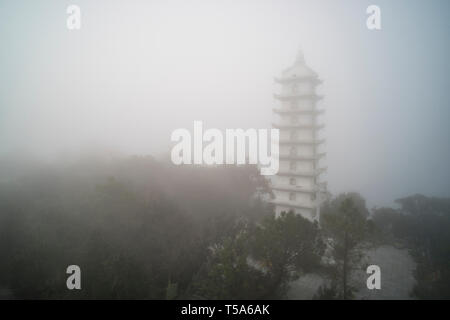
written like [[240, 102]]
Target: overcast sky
[[137, 70]]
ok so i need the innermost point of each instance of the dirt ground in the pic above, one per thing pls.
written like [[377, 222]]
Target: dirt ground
[[397, 279]]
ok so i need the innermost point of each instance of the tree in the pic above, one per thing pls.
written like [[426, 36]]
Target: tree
[[344, 222], [284, 247], [425, 223], [227, 273], [260, 260]]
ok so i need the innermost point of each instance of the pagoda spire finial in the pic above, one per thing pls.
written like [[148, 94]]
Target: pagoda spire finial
[[300, 57]]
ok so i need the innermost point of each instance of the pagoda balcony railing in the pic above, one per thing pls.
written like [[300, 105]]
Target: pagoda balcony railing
[[320, 187], [293, 204], [294, 189], [298, 111], [311, 173], [284, 80], [298, 126], [301, 142], [295, 96], [317, 156]]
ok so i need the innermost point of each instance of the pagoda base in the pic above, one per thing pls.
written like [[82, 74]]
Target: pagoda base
[[307, 213]]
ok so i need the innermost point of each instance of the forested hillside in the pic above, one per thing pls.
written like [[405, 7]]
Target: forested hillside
[[143, 229]]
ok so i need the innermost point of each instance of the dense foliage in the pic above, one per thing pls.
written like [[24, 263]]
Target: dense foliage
[[422, 224], [134, 226], [145, 229], [344, 222]]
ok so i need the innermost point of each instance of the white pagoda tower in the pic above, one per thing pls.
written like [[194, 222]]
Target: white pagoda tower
[[297, 187]]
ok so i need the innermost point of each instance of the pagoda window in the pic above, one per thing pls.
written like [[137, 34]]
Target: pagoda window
[[292, 196], [293, 151], [294, 135], [294, 104], [293, 165], [313, 196], [292, 181]]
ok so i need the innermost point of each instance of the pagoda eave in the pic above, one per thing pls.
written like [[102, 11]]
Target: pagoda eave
[[296, 111], [298, 126], [303, 158], [302, 142], [314, 173], [293, 189], [286, 80], [293, 96], [292, 204]]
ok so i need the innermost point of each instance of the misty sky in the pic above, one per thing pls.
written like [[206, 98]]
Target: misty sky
[[137, 70]]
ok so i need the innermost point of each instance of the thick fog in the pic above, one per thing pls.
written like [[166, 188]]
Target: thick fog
[[137, 70]]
